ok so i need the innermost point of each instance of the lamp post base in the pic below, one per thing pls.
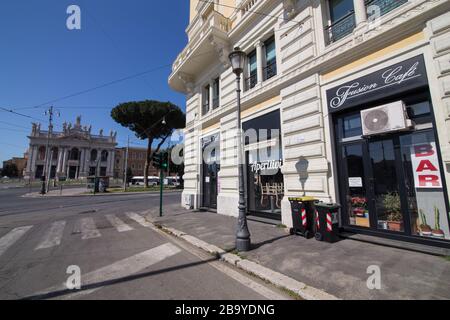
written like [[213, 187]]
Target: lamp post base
[[243, 245]]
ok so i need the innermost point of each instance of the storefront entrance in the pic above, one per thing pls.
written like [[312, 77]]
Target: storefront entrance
[[390, 180], [210, 170], [264, 159]]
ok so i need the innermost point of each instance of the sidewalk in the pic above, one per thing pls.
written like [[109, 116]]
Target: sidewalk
[[339, 269]]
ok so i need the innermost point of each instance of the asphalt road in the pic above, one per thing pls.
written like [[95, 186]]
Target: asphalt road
[[45, 243]]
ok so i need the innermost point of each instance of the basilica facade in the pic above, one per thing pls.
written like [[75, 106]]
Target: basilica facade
[[75, 153]]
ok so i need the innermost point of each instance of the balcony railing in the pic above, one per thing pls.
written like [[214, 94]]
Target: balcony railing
[[270, 70], [385, 6], [251, 82], [341, 27]]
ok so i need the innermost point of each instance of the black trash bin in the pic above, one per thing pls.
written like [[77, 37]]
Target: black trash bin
[[327, 222], [302, 216]]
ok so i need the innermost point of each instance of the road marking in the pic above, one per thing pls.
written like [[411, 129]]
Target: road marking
[[12, 237], [88, 229], [139, 219], [118, 270], [53, 236], [117, 223]]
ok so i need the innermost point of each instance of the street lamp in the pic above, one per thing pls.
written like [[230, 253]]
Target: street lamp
[[237, 60]]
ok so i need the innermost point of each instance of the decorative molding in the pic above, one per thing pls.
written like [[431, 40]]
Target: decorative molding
[[222, 48], [188, 81]]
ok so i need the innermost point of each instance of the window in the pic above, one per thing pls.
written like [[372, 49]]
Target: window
[[216, 93], [205, 108], [41, 153], [252, 79], [54, 153], [104, 156], [385, 6], [270, 69], [93, 155], [341, 19], [74, 154]]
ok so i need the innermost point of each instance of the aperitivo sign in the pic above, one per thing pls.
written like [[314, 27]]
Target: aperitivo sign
[[426, 166]]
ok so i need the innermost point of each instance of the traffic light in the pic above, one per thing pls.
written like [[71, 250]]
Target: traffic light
[[165, 161], [156, 160]]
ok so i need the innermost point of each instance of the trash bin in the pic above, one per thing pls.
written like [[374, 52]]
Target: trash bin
[[302, 216], [327, 222]]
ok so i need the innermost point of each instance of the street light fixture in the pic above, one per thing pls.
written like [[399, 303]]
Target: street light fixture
[[243, 243]]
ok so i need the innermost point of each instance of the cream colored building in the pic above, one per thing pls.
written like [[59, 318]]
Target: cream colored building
[[315, 69]]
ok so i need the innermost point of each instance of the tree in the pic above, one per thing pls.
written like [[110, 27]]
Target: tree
[[129, 175], [10, 170], [145, 119]]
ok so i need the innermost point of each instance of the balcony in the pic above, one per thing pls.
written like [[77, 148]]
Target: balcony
[[270, 70], [385, 6], [208, 35], [341, 27]]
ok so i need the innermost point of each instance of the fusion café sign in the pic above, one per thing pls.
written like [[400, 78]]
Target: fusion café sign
[[407, 75]]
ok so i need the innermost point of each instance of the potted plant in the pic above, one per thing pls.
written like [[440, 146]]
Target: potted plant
[[437, 232], [392, 205], [425, 229]]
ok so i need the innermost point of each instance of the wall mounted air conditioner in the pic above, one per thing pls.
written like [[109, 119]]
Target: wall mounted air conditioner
[[386, 118]]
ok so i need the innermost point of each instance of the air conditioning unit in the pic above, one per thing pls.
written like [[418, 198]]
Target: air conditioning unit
[[386, 118]]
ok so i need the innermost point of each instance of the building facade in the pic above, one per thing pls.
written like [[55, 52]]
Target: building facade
[[356, 95], [20, 164], [75, 152], [136, 162]]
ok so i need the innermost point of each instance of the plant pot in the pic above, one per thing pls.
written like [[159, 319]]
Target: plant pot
[[425, 230], [438, 234], [395, 225]]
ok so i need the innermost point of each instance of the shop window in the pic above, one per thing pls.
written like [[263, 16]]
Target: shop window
[[341, 19], [352, 126], [252, 79], [270, 70], [265, 183]]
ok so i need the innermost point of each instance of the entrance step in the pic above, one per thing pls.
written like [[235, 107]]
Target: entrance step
[[397, 244]]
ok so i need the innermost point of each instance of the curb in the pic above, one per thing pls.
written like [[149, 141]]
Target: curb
[[278, 279]]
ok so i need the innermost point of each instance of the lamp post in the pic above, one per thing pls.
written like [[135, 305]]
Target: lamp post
[[237, 59]]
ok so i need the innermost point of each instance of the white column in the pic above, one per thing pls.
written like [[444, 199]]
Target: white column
[[60, 158], [360, 11], [30, 157], [259, 60], [65, 157], [81, 162], [33, 160]]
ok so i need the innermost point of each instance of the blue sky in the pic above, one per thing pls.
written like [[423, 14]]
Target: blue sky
[[41, 60]]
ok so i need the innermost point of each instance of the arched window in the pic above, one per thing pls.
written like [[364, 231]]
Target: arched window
[[54, 153], [74, 154], [41, 153], [104, 156], [94, 155]]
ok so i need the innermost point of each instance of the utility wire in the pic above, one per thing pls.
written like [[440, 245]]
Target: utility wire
[[20, 114]]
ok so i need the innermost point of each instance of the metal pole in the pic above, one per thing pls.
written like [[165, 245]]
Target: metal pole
[[161, 182], [243, 242], [125, 175], [44, 186]]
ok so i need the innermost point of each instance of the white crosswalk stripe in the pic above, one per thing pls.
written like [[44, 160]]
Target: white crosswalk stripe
[[89, 229], [119, 269], [139, 219], [12, 237], [117, 223], [53, 236]]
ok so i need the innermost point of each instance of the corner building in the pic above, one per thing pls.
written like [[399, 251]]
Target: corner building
[[359, 92]]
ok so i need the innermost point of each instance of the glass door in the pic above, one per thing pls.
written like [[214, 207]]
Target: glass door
[[385, 189]]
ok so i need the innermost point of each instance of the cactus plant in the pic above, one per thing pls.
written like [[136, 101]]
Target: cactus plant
[[424, 227], [437, 232]]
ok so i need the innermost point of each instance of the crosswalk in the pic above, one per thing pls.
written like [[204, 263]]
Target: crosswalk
[[53, 234]]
